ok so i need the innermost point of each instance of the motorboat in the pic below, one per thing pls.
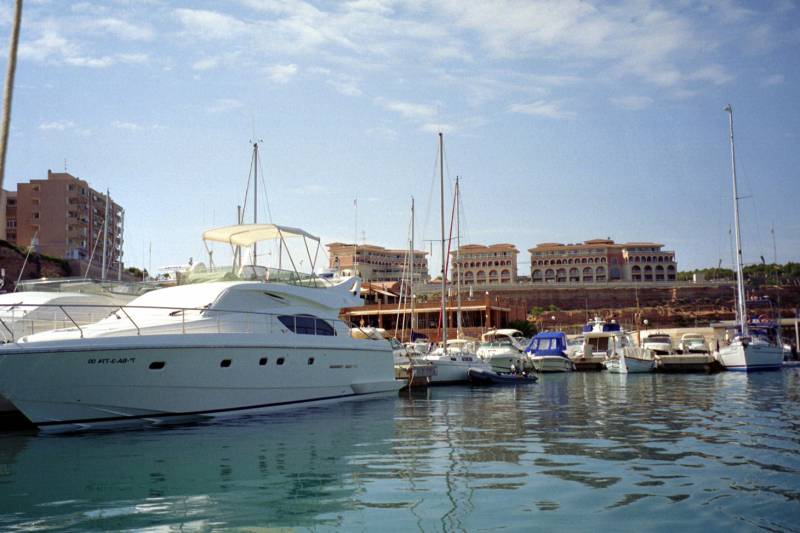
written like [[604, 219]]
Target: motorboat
[[692, 355], [626, 358], [548, 352], [692, 343], [490, 377], [213, 349], [746, 351], [574, 344], [504, 349], [658, 343], [452, 361], [598, 344]]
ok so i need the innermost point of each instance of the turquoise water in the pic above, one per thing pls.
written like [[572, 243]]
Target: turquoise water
[[584, 452]]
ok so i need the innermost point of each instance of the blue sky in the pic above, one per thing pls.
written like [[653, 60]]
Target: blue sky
[[567, 120]]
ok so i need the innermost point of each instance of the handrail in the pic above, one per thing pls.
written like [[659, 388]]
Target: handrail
[[203, 311], [138, 331], [71, 320], [7, 329]]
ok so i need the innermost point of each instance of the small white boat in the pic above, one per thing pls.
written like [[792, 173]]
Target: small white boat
[[750, 353], [621, 364], [504, 349], [624, 357], [547, 352], [658, 343]]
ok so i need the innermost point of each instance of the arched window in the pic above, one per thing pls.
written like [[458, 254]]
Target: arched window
[[600, 273], [561, 275], [493, 276], [505, 276], [549, 275], [660, 273], [648, 273], [636, 273], [536, 276], [574, 275], [480, 277], [671, 272], [588, 275]]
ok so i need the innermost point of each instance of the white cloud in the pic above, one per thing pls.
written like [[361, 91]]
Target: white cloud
[[57, 125], [409, 110], [281, 73], [346, 87], [383, 133], [771, 81], [133, 58], [210, 25], [207, 63], [632, 103], [51, 46], [542, 108], [225, 104], [121, 28], [129, 126], [715, 74]]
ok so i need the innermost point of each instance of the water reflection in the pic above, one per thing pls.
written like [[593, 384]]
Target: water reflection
[[287, 469], [712, 452]]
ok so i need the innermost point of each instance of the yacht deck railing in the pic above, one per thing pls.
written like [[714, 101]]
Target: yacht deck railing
[[87, 320]]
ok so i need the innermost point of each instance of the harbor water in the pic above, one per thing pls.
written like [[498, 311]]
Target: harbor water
[[580, 451]]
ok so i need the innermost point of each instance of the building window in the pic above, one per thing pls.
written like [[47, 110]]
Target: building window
[[262, 361]]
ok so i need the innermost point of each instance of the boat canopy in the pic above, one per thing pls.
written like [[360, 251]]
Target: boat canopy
[[607, 326], [248, 234], [548, 343]]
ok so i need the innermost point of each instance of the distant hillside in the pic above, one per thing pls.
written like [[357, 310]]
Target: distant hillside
[[12, 258], [764, 274]]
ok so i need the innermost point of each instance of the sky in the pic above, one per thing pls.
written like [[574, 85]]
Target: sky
[[566, 120]]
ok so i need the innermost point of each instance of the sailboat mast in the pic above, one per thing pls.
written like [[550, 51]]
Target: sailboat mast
[[411, 269], [105, 239], [444, 259], [457, 270], [255, 197], [741, 306]]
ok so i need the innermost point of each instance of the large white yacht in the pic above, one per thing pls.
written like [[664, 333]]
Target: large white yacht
[[200, 350]]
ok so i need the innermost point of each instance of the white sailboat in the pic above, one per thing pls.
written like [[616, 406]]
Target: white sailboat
[[451, 364], [746, 352]]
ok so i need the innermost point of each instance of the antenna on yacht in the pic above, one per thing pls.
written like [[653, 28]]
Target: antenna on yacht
[[255, 192]]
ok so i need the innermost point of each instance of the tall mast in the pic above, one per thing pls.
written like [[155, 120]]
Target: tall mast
[[457, 270], [105, 240], [444, 259], [741, 306], [255, 196], [411, 269]]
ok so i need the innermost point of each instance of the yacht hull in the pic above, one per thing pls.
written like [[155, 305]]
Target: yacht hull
[[87, 385], [629, 365], [750, 357], [551, 363]]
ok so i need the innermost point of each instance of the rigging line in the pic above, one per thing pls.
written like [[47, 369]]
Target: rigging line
[[446, 265], [434, 180], [246, 190], [91, 257], [759, 236], [266, 196]]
